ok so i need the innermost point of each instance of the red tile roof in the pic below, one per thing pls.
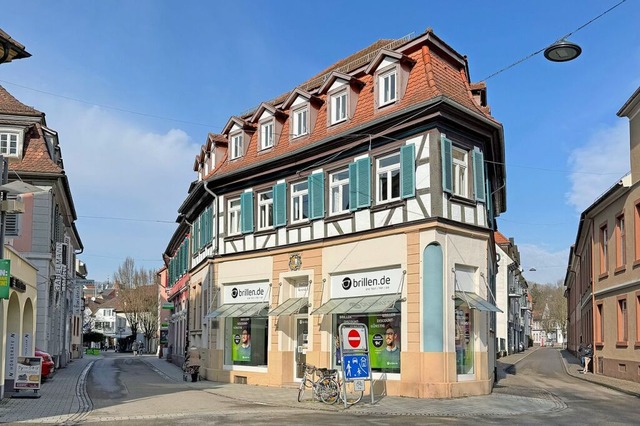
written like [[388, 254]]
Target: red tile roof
[[500, 239], [10, 105], [36, 156], [436, 72]]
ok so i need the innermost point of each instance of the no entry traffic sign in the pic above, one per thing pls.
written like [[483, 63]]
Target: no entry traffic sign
[[354, 337]]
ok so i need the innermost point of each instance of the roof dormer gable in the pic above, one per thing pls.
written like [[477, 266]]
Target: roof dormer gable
[[235, 124], [298, 96], [266, 111], [390, 71], [336, 79], [387, 57]]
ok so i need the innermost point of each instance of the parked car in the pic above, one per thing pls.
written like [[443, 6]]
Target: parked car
[[48, 366]]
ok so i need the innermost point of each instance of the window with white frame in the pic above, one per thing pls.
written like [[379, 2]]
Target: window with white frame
[[387, 87], [388, 181], [234, 216], [265, 210], [300, 118], [339, 190], [266, 135], [299, 201], [339, 107], [236, 146], [9, 144], [460, 172]]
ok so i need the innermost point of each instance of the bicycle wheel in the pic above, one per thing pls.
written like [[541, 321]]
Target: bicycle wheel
[[351, 395], [328, 390], [301, 389]]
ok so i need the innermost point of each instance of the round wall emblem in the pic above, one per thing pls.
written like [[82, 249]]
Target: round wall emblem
[[295, 262]]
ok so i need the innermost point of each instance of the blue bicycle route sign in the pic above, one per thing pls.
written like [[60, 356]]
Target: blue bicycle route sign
[[356, 367]]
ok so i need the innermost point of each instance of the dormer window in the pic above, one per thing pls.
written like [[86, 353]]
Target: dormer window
[[236, 146], [300, 122], [339, 107], [387, 87], [266, 135], [390, 71], [9, 144]]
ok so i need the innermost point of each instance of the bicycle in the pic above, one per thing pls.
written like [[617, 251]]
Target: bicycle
[[324, 387], [348, 393]]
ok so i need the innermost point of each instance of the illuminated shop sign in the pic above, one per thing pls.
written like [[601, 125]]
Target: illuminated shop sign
[[366, 283]]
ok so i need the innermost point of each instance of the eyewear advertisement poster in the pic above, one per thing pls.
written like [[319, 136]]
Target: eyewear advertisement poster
[[28, 370], [241, 347], [384, 339]]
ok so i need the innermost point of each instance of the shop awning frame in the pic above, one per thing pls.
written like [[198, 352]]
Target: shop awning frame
[[360, 305], [474, 301], [238, 310], [290, 306]]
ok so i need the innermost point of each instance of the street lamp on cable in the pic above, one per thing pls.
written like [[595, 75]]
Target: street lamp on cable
[[562, 51]]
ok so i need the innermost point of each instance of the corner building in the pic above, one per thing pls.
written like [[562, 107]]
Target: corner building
[[369, 193]]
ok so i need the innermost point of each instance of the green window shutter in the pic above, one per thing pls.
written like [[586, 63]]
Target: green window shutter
[[408, 171], [280, 204], [246, 212], [353, 187], [478, 174], [316, 195], [447, 164], [491, 219], [364, 182]]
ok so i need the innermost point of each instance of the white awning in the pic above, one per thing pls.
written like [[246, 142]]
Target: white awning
[[476, 302], [238, 310], [289, 306], [359, 305]]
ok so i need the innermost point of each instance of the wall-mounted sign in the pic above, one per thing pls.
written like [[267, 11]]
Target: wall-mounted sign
[[295, 262], [366, 283], [246, 293], [5, 278]]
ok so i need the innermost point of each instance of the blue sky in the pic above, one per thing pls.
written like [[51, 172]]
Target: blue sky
[[133, 88]]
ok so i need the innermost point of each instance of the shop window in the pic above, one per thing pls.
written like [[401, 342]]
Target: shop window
[[464, 338], [246, 341], [384, 339]]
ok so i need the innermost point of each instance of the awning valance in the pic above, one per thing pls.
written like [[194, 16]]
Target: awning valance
[[238, 310], [476, 302], [289, 306], [359, 305]]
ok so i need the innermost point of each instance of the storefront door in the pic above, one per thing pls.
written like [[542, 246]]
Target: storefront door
[[300, 345]]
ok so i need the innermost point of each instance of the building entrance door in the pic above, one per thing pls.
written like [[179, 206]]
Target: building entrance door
[[302, 340]]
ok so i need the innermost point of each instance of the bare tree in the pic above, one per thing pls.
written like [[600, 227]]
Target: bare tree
[[138, 297]]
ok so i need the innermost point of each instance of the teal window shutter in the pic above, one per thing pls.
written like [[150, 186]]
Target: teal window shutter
[[280, 204], [316, 196], [364, 182], [408, 171], [246, 212], [447, 164], [353, 187], [491, 219], [478, 174]]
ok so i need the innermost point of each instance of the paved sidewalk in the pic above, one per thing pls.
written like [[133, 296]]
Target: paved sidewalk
[[64, 399]]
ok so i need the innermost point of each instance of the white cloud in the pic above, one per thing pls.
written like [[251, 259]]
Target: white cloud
[[550, 266], [119, 169], [598, 165]]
